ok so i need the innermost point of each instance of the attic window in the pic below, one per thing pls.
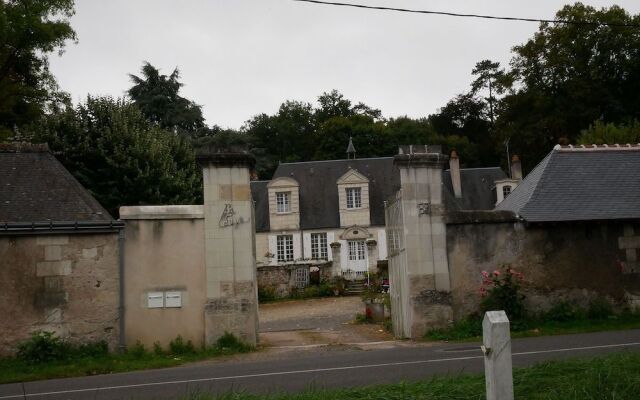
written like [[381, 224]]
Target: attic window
[[283, 203], [506, 190], [354, 198]]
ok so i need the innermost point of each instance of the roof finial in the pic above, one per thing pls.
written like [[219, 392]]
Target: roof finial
[[351, 150]]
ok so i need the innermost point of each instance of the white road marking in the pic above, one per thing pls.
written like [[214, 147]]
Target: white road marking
[[307, 371]]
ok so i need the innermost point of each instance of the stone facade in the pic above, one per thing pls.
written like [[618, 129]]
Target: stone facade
[[359, 215], [281, 278], [287, 220], [67, 284], [572, 262]]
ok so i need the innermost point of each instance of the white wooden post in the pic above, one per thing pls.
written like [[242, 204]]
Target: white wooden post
[[496, 347]]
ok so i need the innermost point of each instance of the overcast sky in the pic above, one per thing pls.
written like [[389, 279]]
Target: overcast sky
[[239, 58]]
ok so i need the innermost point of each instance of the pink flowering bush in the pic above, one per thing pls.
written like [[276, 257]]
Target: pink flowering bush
[[501, 290]]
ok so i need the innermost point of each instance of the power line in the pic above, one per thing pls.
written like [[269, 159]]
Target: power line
[[452, 14]]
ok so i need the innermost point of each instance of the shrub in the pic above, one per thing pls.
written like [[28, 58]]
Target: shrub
[[137, 350], [501, 291], [95, 349], [471, 326], [266, 294], [43, 347], [229, 341], [178, 346], [157, 349], [599, 308], [563, 311]]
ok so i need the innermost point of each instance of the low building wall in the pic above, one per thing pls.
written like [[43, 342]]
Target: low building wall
[[572, 262], [164, 254], [67, 284], [280, 280]]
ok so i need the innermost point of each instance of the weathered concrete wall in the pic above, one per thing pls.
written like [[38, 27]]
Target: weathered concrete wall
[[164, 251], [573, 262], [280, 278], [67, 284]]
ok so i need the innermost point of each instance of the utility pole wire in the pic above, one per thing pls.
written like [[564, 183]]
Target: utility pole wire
[[452, 14]]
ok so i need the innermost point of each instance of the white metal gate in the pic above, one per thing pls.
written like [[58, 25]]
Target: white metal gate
[[398, 275]]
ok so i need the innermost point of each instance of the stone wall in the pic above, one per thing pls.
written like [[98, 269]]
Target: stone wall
[[281, 280], [164, 252], [573, 261], [67, 284]]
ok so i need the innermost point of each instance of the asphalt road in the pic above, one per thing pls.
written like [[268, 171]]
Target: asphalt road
[[328, 369]]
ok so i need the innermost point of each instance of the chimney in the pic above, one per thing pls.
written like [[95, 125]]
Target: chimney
[[454, 169], [516, 168]]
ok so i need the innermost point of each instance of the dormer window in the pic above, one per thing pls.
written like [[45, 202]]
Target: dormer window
[[354, 198], [506, 190], [283, 202]]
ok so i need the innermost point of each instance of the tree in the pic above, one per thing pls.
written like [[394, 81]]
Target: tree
[[119, 156], [29, 31], [570, 75], [158, 98], [492, 78], [601, 133]]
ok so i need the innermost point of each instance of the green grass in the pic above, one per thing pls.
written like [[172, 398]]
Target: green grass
[[16, 370], [614, 377], [471, 329]]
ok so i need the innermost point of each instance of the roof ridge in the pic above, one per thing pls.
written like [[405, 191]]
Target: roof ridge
[[598, 147], [543, 165], [344, 159]]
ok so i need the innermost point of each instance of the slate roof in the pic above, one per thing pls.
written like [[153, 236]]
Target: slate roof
[[319, 192], [477, 188], [580, 184], [35, 187], [260, 197]]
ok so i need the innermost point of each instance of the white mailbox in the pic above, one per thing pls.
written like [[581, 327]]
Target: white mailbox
[[173, 299], [155, 299]]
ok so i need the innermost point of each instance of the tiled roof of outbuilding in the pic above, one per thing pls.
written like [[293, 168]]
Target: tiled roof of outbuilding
[[35, 187], [477, 188], [580, 184]]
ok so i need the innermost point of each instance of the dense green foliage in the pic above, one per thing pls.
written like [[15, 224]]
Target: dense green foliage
[[158, 98], [29, 31], [47, 356], [119, 156], [601, 133]]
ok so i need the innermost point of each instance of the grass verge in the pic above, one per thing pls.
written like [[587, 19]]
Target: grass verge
[[613, 377], [471, 329], [136, 358]]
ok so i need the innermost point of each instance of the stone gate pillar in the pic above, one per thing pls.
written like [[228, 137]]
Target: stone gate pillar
[[428, 291], [232, 299]]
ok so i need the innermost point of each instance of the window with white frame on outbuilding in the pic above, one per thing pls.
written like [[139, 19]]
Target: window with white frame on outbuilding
[[319, 246], [284, 248], [283, 202], [506, 190], [354, 197]]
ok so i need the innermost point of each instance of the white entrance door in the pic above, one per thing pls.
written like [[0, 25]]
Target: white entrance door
[[357, 262]]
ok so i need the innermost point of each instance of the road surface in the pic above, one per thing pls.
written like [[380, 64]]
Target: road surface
[[343, 366]]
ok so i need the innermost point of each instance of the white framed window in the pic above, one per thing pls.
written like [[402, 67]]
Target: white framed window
[[354, 198], [356, 250], [155, 299], [285, 248], [283, 202], [173, 299], [319, 246], [506, 190]]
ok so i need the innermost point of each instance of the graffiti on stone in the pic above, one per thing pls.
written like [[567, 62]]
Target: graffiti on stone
[[228, 217]]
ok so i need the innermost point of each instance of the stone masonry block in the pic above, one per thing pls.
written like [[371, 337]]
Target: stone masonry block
[[90, 253], [53, 253], [53, 268], [52, 240]]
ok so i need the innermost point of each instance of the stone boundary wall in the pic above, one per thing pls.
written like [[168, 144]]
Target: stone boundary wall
[[67, 284], [572, 262], [281, 279]]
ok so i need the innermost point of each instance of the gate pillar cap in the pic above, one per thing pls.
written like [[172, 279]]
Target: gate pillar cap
[[225, 156]]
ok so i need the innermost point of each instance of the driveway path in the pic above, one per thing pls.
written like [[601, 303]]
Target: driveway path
[[301, 369], [312, 322]]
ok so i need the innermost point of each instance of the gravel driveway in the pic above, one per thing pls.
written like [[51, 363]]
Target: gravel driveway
[[326, 320]]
